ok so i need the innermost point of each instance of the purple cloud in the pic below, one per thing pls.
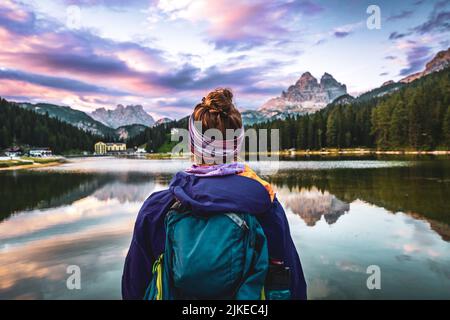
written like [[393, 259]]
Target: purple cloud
[[341, 34], [57, 82], [402, 15], [272, 90], [396, 35], [76, 53], [110, 3], [254, 23], [192, 78], [91, 64], [26, 25], [242, 44], [417, 57], [438, 20], [178, 102], [305, 7]]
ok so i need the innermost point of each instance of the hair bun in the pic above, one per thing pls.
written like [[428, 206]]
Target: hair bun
[[228, 95], [219, 101], [217, 110]]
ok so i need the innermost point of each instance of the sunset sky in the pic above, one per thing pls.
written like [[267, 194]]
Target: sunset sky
[[165, 55]]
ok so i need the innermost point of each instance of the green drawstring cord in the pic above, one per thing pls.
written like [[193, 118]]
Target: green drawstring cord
[[263, 294], [157, 268]]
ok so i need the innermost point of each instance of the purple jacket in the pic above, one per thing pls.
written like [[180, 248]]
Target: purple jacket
[[207, 195]]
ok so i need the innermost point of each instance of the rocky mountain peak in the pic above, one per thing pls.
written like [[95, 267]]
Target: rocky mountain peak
[[137, 107], [122, 116], [306, 95], [306, 81], [326, 76], [328, 80], [440, 61], [389, 82]]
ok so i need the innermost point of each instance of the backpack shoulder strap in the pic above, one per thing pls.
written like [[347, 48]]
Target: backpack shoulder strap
[[238, 220]]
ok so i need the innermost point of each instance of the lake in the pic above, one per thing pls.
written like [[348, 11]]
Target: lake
[[345, 215]]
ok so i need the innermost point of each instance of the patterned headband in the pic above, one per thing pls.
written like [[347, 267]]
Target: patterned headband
[[212, 149]]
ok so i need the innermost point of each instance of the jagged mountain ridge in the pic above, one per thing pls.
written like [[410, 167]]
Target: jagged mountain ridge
[[83, 121], [74, 117], [307, 95], [123, 116], [439, 62]]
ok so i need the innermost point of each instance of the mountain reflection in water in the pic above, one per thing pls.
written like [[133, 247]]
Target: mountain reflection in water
[[312, 204]]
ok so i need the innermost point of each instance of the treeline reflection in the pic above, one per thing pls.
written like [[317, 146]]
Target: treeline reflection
[[420, 191], [27, 190]]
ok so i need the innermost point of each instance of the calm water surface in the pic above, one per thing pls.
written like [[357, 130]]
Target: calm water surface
[[345, 215]]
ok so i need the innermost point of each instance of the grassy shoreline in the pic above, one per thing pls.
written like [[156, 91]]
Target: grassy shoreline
[[362, 151], [29, 163]]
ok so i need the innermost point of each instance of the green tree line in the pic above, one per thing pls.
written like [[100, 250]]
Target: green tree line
[[416, 116], [340, 126], [157, 139], [25, 127]]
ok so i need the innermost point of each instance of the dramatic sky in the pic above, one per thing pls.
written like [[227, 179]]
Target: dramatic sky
[[166, 54]]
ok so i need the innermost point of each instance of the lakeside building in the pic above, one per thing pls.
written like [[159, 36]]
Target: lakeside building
[[100, 148], [116, 147], [13, 152], [106, 148], [40, 152]]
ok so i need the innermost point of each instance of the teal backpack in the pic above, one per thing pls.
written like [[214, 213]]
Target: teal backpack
[[220, 256]]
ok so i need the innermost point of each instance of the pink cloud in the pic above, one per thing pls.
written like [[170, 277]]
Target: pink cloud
[[13, 11], [41, 60], [244, 24]]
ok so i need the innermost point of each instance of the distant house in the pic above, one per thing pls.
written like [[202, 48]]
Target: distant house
[[105, 148], [40, 152], [13, 152]]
